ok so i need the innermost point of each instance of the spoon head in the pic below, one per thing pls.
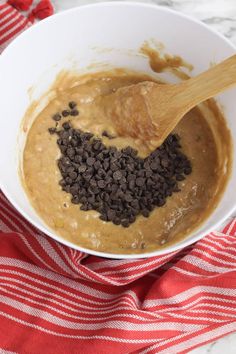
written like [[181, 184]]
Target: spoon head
[[143, 111]]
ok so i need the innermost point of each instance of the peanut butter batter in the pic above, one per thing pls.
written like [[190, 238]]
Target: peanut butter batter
[[182, 213]]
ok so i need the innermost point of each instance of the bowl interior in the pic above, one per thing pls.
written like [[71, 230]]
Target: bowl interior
[[77, 38]]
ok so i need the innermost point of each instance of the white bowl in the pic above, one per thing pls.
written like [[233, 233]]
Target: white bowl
[[71, 39]]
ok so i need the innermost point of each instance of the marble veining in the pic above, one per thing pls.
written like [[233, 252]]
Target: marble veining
[[221, 16]]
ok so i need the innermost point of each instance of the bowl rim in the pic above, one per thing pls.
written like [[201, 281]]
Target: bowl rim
[[172, 248]]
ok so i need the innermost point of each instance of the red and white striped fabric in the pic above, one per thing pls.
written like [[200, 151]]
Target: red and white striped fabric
[[54, 299], [12, 23]]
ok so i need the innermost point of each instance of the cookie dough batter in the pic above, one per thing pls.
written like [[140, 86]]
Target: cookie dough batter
[[182, 213]]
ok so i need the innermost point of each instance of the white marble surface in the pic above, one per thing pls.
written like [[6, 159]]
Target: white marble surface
[[220, 15]]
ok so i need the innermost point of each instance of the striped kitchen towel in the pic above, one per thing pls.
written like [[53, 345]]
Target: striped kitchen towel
[[55, 300], [12, 22]]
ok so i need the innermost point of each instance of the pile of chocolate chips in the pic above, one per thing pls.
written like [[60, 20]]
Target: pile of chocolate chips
[[117, 183]]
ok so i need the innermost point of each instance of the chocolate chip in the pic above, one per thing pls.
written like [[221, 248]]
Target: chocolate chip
[[87, 176], [164, 162], [93, 183], [75, 200], [161, 202], [82, 168], [131, 177], [117, 175], [73, 175], [91, 199], [65, 113], [56, 117], [68, 180], [101, 184], [52, 130], [114, 167], [128, 197], [74, 189], [131, 184], [145, 213], [140, 181], [117, 221], [103, 217], [132, 219], [90, 161], [70, 152], [106, 165], [146, 165], [154, 166], [66, 125], [188, 170], [97, 165], [74, 112], [125, 223], [97, 145], [62, 183], [84, 207], [72, 104], [111, 214]]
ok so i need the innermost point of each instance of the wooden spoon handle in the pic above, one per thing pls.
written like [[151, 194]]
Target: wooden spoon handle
[[208, 84]]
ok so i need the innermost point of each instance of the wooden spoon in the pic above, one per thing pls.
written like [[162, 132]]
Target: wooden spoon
[[150, 111]]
